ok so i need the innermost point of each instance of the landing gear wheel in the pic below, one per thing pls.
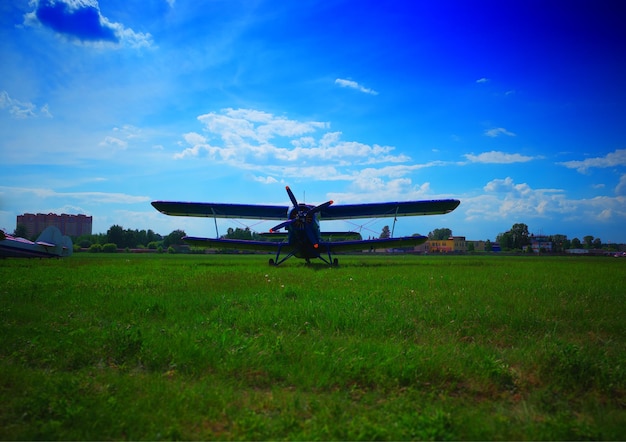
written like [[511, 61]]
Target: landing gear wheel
[[335, 262], [271, 262]]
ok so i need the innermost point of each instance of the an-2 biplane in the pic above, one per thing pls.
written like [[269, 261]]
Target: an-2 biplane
[[50, 243], [304, 238]]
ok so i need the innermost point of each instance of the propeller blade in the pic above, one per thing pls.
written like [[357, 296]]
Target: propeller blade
[[320, 207], [312, 237], [292, 197], [281, 225]]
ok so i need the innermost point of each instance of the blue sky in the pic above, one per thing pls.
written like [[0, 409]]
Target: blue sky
[[518, 109]]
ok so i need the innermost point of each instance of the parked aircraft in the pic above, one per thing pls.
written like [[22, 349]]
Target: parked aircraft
[[304, 239], [50, 243]]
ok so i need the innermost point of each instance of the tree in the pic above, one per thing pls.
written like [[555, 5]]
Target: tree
[[488, 246], [238, 233], [576, 243], [588, 241], [115, 235], [109, 248], [20, 231], [505, 240], [519, 231], [560, 243], [516, 238], [597, 243], [440, 234], [386, 233], [174, 239]]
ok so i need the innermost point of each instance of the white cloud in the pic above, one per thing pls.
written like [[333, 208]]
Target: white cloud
[[248, 137], [354, 85], [264, 179], [506, 200], [617, 158], [114, 142], [482, 80], [496, 132], [81, 21], [496, 157], [22, 109], [373, 189], [621, 187]]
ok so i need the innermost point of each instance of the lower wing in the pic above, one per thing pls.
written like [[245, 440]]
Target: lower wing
[[381, 243], [236, 244]]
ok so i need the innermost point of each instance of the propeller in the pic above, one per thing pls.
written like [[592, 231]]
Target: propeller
[[301, 216]]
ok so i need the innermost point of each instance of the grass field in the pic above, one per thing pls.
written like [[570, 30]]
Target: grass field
[[153, 347]]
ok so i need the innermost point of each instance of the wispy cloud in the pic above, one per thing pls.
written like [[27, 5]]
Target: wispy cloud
[[22, 109], [496, 157], [92, 197], [620, 189], [482, 80], [496, 132], [354, 85], [81, 20], [114, 142], [617, 158]]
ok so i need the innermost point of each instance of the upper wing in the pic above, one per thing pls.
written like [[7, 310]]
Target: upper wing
[[251, 211], [374, 210], [383, 243], [345, 211]]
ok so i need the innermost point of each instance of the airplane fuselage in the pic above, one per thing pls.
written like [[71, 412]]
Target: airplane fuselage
[[304, 233]]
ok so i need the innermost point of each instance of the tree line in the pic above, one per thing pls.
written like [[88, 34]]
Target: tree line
[[131, 239], [519, 238], [516, 238]]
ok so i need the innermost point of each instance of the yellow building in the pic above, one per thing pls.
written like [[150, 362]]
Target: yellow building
[[454, 244]]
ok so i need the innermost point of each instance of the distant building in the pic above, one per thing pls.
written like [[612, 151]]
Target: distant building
[[71, 225], [541, 244], [481, 246], [450, 245]]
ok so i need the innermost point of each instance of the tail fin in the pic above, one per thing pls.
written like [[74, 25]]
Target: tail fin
[[52, 237]]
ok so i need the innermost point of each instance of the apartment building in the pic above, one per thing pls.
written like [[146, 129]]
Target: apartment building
[[71, 225]]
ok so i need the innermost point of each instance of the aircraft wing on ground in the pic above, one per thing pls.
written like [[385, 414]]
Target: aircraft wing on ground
[[375, 210], [221, 210]]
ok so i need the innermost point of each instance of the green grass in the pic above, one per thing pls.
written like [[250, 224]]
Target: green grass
[[393, 347]]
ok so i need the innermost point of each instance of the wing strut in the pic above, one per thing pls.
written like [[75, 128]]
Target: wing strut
[[395, 218], [217, 233]]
